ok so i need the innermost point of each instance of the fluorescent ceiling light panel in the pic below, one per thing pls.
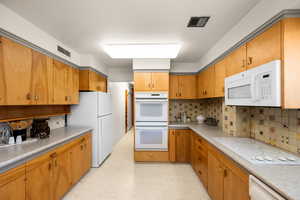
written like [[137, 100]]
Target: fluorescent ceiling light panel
[[142, 50]]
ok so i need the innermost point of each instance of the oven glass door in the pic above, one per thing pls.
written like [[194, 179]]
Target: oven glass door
[[151, 110], [151, 138]]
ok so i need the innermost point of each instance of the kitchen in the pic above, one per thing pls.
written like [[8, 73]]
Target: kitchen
[[198, 101]]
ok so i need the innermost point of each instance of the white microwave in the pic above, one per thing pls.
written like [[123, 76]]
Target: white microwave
[[260, 86]]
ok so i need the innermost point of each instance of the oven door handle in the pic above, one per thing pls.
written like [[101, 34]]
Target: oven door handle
[[151, 100]]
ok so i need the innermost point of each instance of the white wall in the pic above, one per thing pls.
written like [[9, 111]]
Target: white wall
[[117, 90], [92, 61], [120, 74], [15, 24], [261, 13], [184, 67], [151, 64]]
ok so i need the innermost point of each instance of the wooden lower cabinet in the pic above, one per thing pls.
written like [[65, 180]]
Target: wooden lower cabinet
[[49, 176], [12, 184], [215, 178], [38, 178], [226, 180]]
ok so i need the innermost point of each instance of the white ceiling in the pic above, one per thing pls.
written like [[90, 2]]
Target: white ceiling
[[86, 24]]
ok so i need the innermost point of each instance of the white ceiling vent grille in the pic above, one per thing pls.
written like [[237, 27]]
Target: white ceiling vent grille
[[64, 51], [198, 21]]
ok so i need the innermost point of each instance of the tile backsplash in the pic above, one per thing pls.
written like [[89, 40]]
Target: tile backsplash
[[193, 108], [274, 126], [56, 122]]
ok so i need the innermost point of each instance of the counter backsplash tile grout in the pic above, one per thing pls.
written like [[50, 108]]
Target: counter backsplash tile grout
[[275, 126]]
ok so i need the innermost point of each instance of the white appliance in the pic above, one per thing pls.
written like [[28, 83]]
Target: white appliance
[[151, 107], [260, 191], [151, 126], [260, 86], [95, 110]]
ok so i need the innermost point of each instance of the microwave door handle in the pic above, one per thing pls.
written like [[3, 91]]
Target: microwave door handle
[[254, 90]]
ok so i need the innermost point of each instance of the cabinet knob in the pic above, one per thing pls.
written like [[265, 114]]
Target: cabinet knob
[[28, 96], [225, 173], [66, 98], [49, 167], [36, 98], [199, 172]]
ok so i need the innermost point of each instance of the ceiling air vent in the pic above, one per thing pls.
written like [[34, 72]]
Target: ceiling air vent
[[198, 21], [64, 51]]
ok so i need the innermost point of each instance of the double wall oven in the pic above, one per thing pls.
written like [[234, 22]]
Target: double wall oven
[[151, 121]]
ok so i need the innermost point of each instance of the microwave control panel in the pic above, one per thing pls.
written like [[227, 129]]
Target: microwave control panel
[[264, 85]]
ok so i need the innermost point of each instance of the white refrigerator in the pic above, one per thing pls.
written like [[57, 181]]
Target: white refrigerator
[[95, 110]]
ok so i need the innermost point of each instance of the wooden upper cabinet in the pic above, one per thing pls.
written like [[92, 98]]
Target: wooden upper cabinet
[[183, 87], [208, 82], [41, 82], [236, 61], [188, 87], [60, 82], [2, 77], [160, 81], [220, 70], [151, 81], [200, 84], [291, 60], [17, 73], [142, 81], [174, 86], [12, 184], [92, 81], [73, 91], [265, 47]]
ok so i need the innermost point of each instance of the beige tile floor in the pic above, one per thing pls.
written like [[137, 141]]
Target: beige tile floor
[[120, 178]]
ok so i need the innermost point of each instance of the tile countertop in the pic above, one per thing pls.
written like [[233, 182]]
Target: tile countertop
[[282, 178], [13, 156]]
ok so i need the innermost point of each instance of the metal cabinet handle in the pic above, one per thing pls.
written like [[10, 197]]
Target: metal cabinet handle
[[199, 172], [55, 163], [225, 173], [66, 98], [250, 60], [149, 85], [28, 96], [49, 167]]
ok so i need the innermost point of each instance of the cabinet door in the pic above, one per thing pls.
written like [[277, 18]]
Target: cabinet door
[[74, 86], [142, 81], [174, 87], [220, 69], [60, 82], [215, 177], [2, 77], [41, 82], [77, 160], [183, 144], [38, 178], [12, 184], [16, 68], [200, 83], [231, 183], [102, 83], [87, 154], [236, 61], [160, 81], [61, 180], [172, 145], [264, 47], [187, 87], [209, 82]]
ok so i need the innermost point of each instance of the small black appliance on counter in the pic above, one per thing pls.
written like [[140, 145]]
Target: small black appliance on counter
[[40, 128], [211, 121]]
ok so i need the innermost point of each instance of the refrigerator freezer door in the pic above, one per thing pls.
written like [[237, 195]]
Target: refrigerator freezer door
[[104, 104], [107, 136]]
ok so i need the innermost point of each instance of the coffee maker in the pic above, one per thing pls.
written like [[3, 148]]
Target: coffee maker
[[19, 128], [40, 128]]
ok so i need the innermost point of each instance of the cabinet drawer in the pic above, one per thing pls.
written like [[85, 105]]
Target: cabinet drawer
[[154, 156], [201, 168]]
